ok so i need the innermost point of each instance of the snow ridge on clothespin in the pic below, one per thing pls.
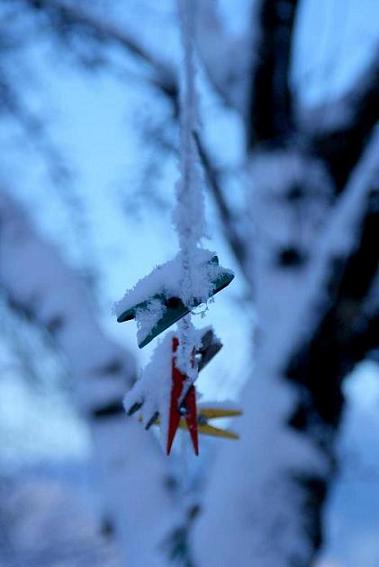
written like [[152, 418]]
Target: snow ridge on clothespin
[[155, 301]]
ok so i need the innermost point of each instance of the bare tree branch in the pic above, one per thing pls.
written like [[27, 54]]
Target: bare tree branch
[[163, 76], [365, 339], [270, 113]]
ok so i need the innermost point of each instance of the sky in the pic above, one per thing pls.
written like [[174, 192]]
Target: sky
[[96, 120]]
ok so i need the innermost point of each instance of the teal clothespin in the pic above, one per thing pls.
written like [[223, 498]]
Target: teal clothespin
[[173, 307]]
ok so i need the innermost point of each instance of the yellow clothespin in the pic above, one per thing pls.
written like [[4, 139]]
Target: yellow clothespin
[[205, 413]]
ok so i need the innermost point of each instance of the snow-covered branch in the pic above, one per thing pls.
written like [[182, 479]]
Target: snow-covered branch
[[214, 44], [339, 130], [274, 481], [348, 264], [134, 474]]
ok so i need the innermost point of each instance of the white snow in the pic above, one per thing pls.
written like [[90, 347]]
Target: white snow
[[262, 523], [153, 388], [188, 341], [163, 279], [148, 317], [216, 42], [189, 213]]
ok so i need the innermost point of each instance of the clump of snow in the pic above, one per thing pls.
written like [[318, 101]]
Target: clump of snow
[[189, 215], [147, 317], [166, 279], [189, 339], [153, 389]]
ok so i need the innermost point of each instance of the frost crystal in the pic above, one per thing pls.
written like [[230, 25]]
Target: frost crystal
[[148, 317]]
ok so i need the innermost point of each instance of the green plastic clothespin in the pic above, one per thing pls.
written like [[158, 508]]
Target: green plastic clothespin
[[174, 308]]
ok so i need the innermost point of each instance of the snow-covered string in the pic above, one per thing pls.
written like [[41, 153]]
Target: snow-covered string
[[189, 218]]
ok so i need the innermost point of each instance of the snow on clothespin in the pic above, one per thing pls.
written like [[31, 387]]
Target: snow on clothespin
[[156, 301], [161, 381], [151, 392]]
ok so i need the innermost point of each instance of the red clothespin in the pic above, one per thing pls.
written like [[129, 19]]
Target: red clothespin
[[188, 406]]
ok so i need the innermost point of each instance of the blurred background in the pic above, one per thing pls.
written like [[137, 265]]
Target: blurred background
[[89, 139]]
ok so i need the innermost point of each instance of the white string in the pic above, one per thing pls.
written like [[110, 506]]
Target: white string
[[189, 212]]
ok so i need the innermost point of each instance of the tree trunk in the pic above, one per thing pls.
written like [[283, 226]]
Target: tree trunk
[[318, 316]]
